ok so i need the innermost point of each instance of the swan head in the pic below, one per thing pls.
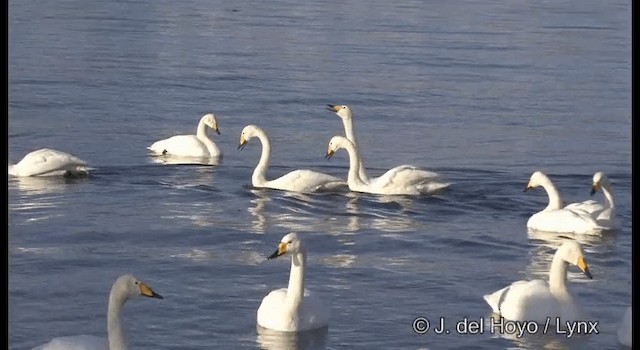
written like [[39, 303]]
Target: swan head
[[344, 112], [132, 287], [336, 143], [572, 253], [248, 132], [537, 179], [210, 120], [599, 180], [290, 243]]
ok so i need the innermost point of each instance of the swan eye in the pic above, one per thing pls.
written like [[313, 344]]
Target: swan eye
[[137, 282]]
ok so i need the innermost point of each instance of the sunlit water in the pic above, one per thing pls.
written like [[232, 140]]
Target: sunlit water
[[482, 92]]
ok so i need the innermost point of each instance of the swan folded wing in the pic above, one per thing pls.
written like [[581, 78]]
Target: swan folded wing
[[528, 301], [49, 162], [314, 313], [607, 219], [76, 342], [180, 145], [590, 206], [305, 181], [565, 221]]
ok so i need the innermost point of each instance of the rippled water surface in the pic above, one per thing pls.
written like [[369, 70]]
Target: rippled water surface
[[482, 92]]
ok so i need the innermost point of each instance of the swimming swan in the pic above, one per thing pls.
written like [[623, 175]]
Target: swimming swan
[[605, 215], [304, 181], [124, 288], [49, 162], [555, 218], [294, 308], [395, 181], [625, 330], [198, 145], [537, 300]]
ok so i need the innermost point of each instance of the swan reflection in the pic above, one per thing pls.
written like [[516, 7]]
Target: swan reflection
[[36, 185], [308, 340]]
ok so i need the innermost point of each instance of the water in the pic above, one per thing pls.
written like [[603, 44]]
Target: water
[[482, 92]]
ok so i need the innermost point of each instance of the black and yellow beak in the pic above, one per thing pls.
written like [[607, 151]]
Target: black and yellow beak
[[582, 264], [243, 142], [333, 108], [329, 154], [217, 130], [527, 188], [148, 292], [594, 188], [282, 249]]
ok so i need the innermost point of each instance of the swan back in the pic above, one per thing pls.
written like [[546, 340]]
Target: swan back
[[49, 162]]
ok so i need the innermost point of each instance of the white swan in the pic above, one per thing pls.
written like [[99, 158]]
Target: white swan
[[304, 181], [395, 181], [537, 300], [625, 330], [557, 218], [124, 288], [409, 171], [198, 145], [49, 162], [294, 308], [605, 215]]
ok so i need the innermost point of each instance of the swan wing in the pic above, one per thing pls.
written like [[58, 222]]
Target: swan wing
[[180, 145], [525, 301], [314, 313], [48, 161], [306, 181], [590, 206], [607, 219], [75, 342], [270, 311], [564, 220]]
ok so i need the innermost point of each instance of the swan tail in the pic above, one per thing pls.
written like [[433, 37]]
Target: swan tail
[[496, 298]]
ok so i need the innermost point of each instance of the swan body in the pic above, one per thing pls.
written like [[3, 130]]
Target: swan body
[[625, 330], [573, 218], [198, 145], [538, 300], [401, 180], [49, 162], [294, 308], [302, 180], [124, 288]]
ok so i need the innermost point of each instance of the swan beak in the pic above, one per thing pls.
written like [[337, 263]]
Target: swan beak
[[594, 188], [217, 130], [527, 188], [582, 264], [282, 249], [330, 154], [333, 108], [243, 142], [148, 292]]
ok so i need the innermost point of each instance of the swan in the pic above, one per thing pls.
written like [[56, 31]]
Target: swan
[[625, 330], [556, 218], [605, 214], [395, 181], [198, 145], [49, 162], [537, 300], [344, 112], [124, 288], [303, 181], [292, 309]]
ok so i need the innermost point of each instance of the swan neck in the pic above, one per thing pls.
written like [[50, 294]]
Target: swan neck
[[608, 196], [258, 178], [555, 202], [558, 276], [295, 290], [117, 339], [203, 136], [353, 178], [351, 135]]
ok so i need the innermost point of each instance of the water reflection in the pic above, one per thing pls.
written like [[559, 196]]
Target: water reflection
[[180, 160], [36, 185], [273, 340]]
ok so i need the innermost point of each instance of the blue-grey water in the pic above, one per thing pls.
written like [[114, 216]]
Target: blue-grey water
[[483, 92]]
